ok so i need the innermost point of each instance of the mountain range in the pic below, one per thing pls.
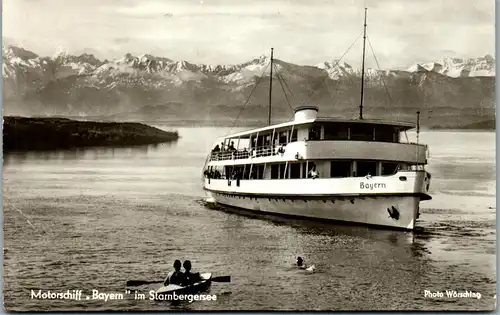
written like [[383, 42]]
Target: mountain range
[[449, 92]]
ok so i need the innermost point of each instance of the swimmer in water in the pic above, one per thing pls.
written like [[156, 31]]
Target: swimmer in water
[[301, 265]]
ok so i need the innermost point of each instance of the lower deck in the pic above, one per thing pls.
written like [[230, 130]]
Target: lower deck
[[301, 169], [414, 183]]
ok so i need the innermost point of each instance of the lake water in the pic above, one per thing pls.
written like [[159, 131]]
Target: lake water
[[95, 218]]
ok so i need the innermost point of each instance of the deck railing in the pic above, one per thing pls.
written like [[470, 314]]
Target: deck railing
[[245, 154]]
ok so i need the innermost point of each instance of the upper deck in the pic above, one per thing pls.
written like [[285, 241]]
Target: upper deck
[[328, 128], [332, 122], [314, 137]]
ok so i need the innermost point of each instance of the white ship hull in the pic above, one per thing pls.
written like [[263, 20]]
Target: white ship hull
[[396, 205], [363, 210]]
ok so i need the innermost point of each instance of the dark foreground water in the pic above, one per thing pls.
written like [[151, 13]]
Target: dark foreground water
[[93, 219]]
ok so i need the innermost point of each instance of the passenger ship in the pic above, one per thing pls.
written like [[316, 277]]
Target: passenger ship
[[354, 171]]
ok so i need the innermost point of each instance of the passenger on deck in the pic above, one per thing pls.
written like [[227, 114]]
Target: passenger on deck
[[253, 153], [245, 153], [238, 174], [313, 173], [231, 147], [253, 174], [189, 277], [222, 146], [216, 149], [217, 174], [176, 276], [280, 149]]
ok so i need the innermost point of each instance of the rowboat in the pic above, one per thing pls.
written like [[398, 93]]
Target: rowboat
[[167, 292]]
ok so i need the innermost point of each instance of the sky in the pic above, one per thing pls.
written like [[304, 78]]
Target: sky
[[307, 32]]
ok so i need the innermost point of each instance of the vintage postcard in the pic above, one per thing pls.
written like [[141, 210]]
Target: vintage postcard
[[237, 155]]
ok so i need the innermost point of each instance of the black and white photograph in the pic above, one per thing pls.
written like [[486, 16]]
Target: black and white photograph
[[248, 155]]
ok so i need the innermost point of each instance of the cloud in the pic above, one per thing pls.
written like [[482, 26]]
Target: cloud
[[121, 40], [154, 9]]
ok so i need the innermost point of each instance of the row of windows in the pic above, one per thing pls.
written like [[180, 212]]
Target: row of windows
[[295, 170], [329, 131], [279, 138], [357, 132]]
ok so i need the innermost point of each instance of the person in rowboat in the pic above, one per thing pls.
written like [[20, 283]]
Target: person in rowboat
[[189, 277], [176, 276]]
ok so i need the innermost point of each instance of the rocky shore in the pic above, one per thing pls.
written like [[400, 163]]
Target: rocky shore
[[25, 134]]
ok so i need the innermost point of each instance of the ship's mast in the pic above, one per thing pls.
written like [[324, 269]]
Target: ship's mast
[[270, 87], [363, 71], [418, 125]]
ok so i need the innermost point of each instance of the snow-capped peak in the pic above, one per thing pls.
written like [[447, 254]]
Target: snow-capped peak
[[459, 67], [149, 57], [336, 69], [261, 60], [11, 51], [181, 65], [128, 58], [333, 64], [61, 52], [418, 68]]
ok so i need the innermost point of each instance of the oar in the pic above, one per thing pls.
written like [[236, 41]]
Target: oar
[[221, 279]]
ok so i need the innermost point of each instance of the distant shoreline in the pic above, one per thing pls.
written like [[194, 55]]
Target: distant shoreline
[[487, 125], [258, 124], [41, 134]]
